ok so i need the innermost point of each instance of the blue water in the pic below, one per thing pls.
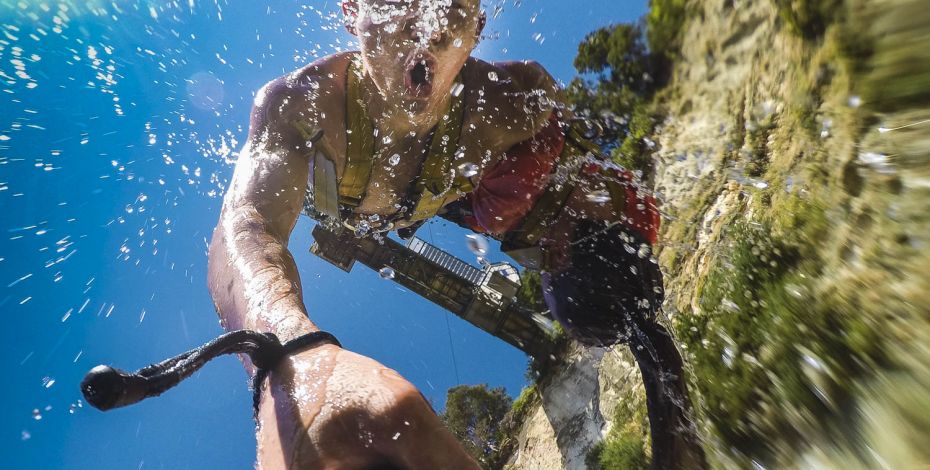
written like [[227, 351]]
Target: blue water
[[120, 122]]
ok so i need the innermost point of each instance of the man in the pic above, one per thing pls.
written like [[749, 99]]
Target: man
[[408, 128]]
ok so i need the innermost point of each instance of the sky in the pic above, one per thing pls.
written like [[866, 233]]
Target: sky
[[120, 124]]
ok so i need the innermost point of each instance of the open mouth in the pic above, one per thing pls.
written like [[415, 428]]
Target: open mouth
[[419, 77]]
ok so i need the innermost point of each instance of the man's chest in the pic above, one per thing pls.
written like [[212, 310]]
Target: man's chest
[[404, 176], [401, 168]]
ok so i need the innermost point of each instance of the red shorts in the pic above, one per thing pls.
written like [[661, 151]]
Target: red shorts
[[508, 191]]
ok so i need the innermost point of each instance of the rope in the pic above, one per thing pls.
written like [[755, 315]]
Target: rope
[[106, 387], [455, 364]]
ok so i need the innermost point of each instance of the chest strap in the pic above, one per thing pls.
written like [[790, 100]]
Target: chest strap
[[437, 182], [360, 141]]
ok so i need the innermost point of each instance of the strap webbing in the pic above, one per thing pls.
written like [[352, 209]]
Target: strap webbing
[[360, 141], [105, 387], [437, 182]]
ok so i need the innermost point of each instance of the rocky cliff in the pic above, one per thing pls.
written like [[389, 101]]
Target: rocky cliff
[[791, 162]]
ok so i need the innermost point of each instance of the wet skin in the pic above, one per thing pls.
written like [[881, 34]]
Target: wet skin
[[331, 408]]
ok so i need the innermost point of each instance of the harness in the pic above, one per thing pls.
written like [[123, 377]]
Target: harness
[[333, 200]]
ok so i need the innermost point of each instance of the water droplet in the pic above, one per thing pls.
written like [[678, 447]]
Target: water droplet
[[386, 273], [457, 89], [362, 228], [387, 140], [598, 197], [483, 261], [394, 160], [854, 101], [36, 414], [468, 170], [492, 75], [728, 356], [457, 42], [476, 244], [730, 305], [25, 435], [47, 382]]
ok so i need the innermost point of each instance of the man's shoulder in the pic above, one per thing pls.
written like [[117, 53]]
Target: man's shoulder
[[520, 74], [306, 91], [515, 98]]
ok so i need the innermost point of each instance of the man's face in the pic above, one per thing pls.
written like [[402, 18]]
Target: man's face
[[414, 49]]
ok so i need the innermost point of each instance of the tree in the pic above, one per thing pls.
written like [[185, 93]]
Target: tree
[[474, 414], [616, 69], [614, 91]]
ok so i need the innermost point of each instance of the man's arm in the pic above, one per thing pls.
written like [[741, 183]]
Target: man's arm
[[252, 275], [325, 407]]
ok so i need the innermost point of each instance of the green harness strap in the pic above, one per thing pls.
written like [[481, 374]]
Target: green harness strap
[[438, 182], [360, 142]]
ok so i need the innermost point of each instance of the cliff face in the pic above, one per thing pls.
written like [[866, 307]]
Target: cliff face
[[577, 403], [795, 245]]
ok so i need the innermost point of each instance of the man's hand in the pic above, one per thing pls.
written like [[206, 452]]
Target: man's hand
[[332, 408]]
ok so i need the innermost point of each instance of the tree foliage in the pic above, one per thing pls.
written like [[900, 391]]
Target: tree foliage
[[618, 81], [622, 67], [530, 291], [616, 67], [474, 414], [664, 24]]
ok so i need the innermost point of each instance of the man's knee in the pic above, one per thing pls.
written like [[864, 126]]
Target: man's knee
[[611, 286]]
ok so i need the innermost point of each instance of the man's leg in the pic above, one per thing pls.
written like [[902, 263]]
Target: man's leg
[[675, 443], [610, 294]]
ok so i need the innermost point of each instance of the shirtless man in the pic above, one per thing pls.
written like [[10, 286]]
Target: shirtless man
[[450, 135]]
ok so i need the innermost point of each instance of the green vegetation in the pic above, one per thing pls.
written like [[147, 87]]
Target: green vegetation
[[757, 137], [530, 291], [474, 415], [808, 18], [486, 422], [664, 24], [522, 404], [618, 76], [636, 150], [615, 91], [623, 67], [766, 343], [625, 445]]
